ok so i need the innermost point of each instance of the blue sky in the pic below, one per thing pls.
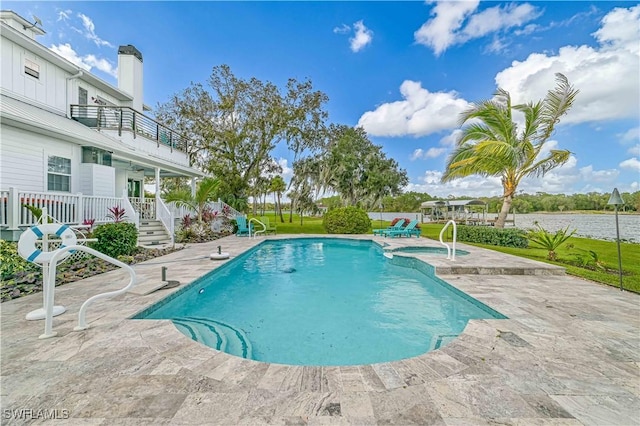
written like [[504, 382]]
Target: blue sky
[[402, 70]]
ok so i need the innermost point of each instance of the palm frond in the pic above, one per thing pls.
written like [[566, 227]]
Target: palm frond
[[556, 158], [556, 104]]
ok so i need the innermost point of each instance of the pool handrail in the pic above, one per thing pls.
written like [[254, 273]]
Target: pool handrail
[[455, 231], [50, 284], [263, 230]]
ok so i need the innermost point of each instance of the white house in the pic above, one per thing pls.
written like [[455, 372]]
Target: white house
[[73, 143]]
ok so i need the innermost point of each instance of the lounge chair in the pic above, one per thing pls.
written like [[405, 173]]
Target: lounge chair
[[407, 231], [243, 227], [396, 227], [270, 228]]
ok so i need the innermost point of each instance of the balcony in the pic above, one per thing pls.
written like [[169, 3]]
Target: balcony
[[135, 129]]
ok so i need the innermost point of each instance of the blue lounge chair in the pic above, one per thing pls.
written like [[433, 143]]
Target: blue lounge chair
[[243, 228], [396, 227], [407, 231]]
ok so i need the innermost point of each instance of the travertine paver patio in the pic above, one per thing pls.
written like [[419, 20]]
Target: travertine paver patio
[[568, 354]]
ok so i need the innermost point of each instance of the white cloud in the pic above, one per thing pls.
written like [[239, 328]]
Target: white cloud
[[631, 135], [343, 29], [362, 37], [608, 77], [429, 153], [63, 15], [287, 172], [86, 62], [634, 150], [566, 179], [440, 32], [472, 186], [101, 64], [632, 164], [90, 31], [498, 18], [452, 138], [448, 27], [420, 113]]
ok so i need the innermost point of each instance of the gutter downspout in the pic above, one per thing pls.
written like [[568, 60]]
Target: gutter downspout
[[73, 77]]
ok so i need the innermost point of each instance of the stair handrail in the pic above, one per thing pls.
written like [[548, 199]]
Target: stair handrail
[[50, 284], [166, 217], [263, 230], [455, 231], [132, 214]]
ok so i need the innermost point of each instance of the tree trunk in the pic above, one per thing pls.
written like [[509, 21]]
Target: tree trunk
[[275, 208], [280, 208], [502, 216]]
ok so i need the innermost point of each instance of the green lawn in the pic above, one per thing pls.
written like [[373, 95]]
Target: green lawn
[[606, 250]]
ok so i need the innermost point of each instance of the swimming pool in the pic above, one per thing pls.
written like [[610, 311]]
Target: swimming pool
[[320, 301]]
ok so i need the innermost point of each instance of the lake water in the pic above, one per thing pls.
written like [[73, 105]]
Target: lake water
[[597, 226]]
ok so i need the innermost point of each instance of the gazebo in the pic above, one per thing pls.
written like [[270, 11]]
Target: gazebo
[[463, 211]]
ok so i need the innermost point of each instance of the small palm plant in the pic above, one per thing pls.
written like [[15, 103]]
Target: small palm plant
[[549, 241], [117, 214], [197, 202]]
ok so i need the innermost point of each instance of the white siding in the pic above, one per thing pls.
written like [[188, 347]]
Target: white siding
[[23, 159], [97, 180], [49, 89]]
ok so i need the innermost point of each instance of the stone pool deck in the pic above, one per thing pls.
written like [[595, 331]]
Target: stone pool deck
[[569, 354]]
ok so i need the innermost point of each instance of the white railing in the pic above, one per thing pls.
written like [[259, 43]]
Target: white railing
[[165, 215], [4, 204], [50, 288], [98, 208], [63, 208], [263, 230], [146, 207], [132, 214], [455, 232]]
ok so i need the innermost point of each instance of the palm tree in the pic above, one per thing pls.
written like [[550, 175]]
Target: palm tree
[[492, 145], [278, 186], [204, 193]]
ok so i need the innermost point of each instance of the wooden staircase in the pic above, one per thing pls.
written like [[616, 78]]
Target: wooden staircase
[[152, 233]]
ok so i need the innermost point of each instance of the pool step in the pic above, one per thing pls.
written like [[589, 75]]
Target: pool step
[[442, 340], [215, 334]]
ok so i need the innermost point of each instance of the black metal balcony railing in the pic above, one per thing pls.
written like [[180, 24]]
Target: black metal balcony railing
[[125, 118]]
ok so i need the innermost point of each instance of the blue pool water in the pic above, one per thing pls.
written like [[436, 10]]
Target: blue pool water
[[320, 302]]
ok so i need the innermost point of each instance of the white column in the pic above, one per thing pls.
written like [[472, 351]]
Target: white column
[[157, 190], [13, 209], [193, 186]]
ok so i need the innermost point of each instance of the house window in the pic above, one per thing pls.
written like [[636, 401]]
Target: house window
[[96, 156], [83, 96], [31, 68], [59, 174]]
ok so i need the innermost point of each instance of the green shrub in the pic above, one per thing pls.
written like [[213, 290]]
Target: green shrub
[[116, 239], [11, 262], [346, 220], [549, 241], [493, 236]]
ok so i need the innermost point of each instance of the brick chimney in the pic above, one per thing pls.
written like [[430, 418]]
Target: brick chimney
[[130, 74]]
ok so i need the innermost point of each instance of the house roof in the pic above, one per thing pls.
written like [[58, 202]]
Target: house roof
[[29, 117], [452, 203]]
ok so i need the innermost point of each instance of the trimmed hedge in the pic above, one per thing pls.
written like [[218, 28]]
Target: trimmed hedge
[[511, 237], [346, 220], [116, 239]]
